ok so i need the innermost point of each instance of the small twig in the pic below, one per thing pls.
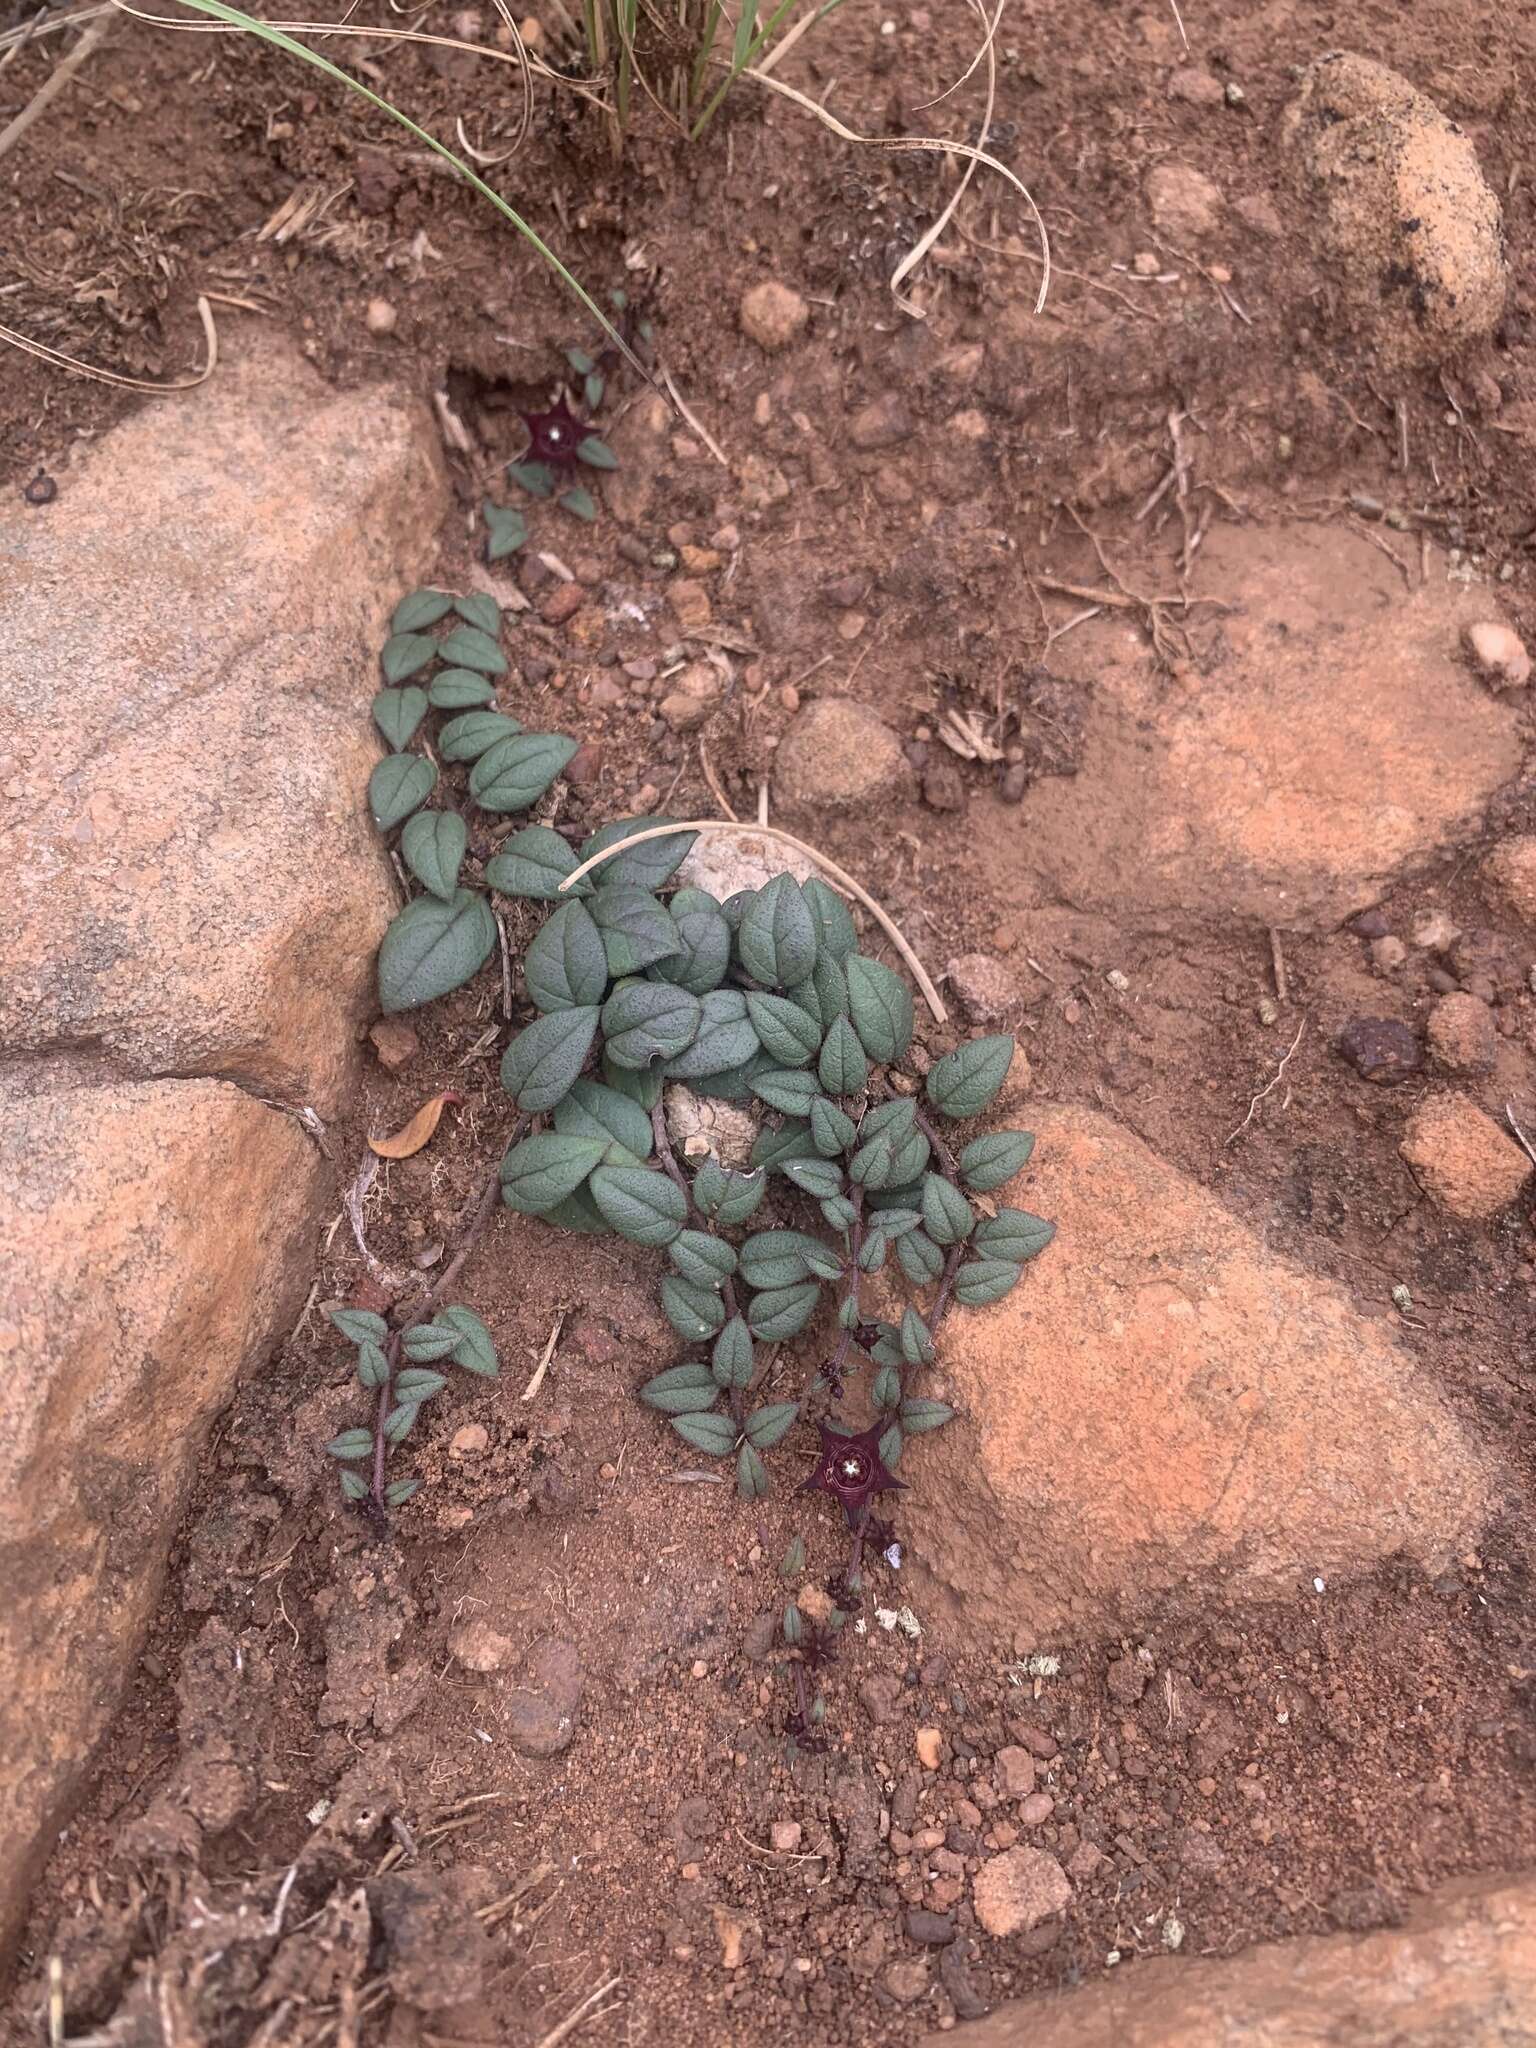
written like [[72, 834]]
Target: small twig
[[1055, 633], [1529, 1150], [1277, 961], [542, 1367], [1179, 24], [56, 359], [1270, 1086], [1400, 414], [839, 875], [582, 2012], [715, 790], [1157, 496], [697, 425], [1181, 476], [54, 83]]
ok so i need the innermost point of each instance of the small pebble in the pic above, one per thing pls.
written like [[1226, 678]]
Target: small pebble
[[930, 1748], [1499, 655], [785, 1835], [381, 317], [1387, 954], [1380, 1049], [1145, 263], [789, 697]]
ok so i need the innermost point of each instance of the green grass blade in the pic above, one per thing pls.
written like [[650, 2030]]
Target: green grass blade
[[268, 34]]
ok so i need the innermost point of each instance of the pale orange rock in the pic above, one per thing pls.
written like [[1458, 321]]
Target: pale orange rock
[[1462, 1970], [1164, 1413], [1462, 1159]]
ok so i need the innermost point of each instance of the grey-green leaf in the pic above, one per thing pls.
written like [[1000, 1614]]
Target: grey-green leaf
[[506, 530], [751, 1474], [372, 1365], [775, 1258], [352, 1443], [592, 1110], [982, 1280], [880, 1006], [476, 1349], [353, 1486], [433, 846], [793, 1092], [886, 1390], [705, 1260], [359, 1325], [916, 1340], [474, 733], [400, 1421], [459, 689], [648, 1021], [636, 929], [965, 1081], [703, 949], [770, 1425], [732, 1358], [417, 1384], [399, 1491], [695, 1312], [947, 1215], [681, 1390], [423, 1343], [781, 1312], [565, 967], [919, 1257], [641, 1205], [832, 1129], [479, 608], [543, 1170], [776, 941], [404, 654], [640, 867], [540, 1065], [834, 920], [714, 1435], [434, 946], [723, 1042], [397, 713], [787, 1034], [1012, 1234], [400, 784], [995, 1157], [920, 1415], [534, 862], [516, 772], [791, 1141], [822, 1178], [731, 1198], [418, 610], [468, 647], [842, 1067]]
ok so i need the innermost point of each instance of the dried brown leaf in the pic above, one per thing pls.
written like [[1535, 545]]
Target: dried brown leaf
[[418, 1132]]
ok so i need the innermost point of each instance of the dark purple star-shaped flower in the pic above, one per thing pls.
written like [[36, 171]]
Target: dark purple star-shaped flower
[[850, 1468], [554, 436]]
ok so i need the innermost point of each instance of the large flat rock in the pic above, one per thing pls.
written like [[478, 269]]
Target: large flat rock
[[1163, 1413], [188, 642], [1331, 738], [188, 648], [157, 1236], [1460, 1974]]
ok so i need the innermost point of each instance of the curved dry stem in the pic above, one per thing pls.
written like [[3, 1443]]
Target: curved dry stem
[[915, 256], [830, 868], [520, 58], [921, 142], [57, 360], [985, 51]]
